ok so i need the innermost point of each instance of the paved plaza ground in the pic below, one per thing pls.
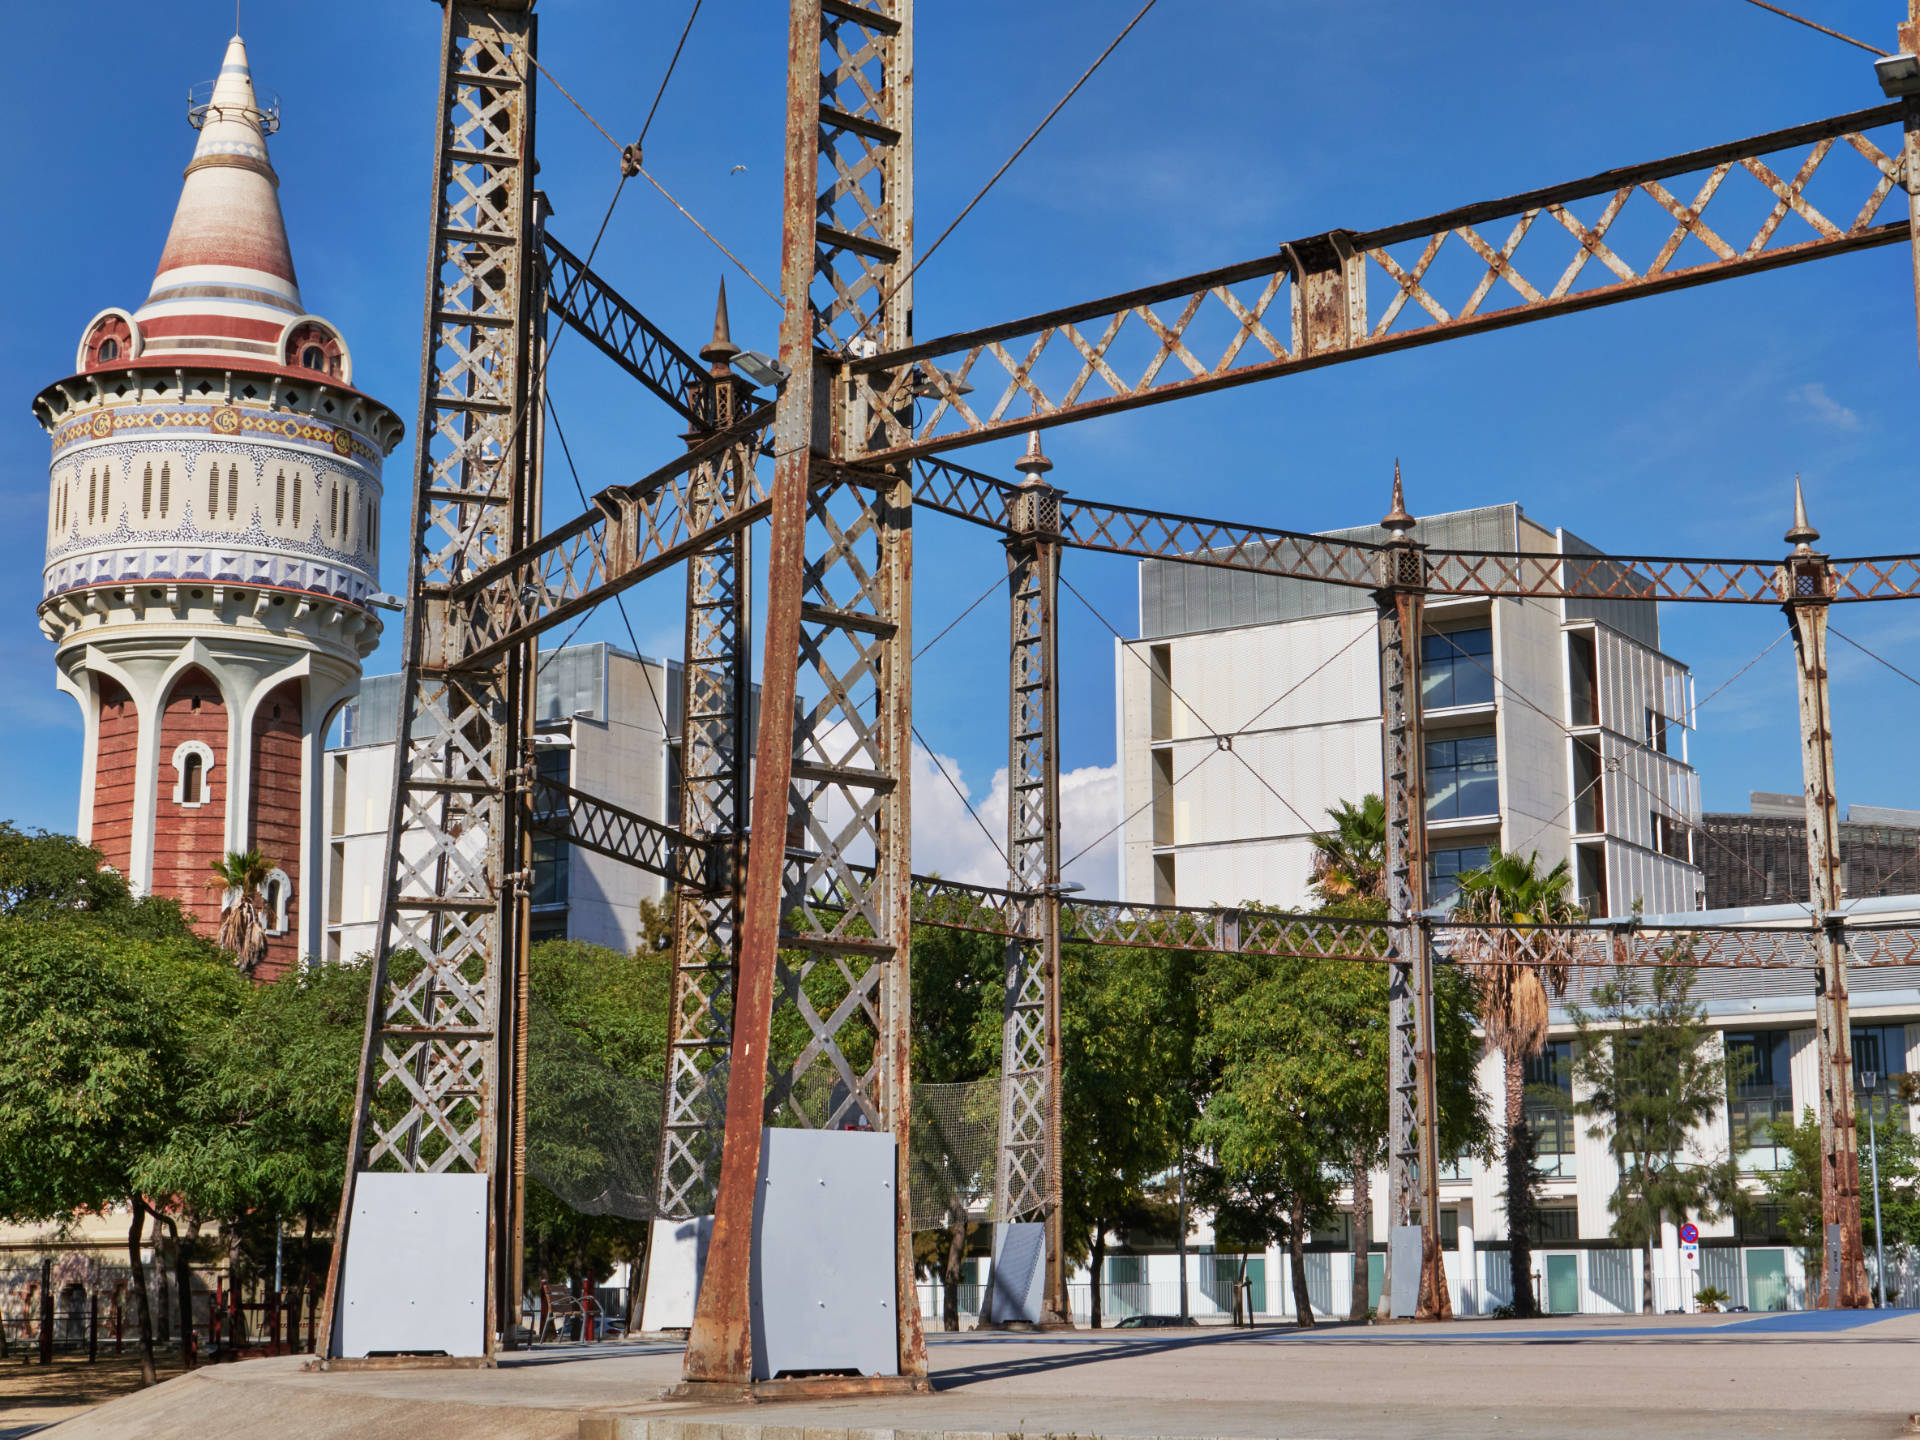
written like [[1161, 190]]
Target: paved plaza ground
[[1845, 1375]]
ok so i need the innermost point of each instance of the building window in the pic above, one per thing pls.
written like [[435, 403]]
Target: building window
[[1443, 876], [549, 870], [1556, 1223], [233, 491], [109, 349], [193, 774], [1549, 1109], [278, 897], [93, 493], [333, 511], [166, 484], [1883, 1050], [213, 494], [314, 358], [1463, 778], [1456, 668], [1656, 731], [106, 488], [296, 499], [1759, 1096], [146, 492], [280, 497]]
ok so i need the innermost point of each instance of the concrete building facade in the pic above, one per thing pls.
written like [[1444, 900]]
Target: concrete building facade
[[1251, 704], [607, 721], [212, 541]]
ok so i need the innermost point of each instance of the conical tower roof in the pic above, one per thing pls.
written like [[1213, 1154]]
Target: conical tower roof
[[225, 285]]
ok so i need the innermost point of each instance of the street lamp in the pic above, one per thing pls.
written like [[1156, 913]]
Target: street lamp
[[1869, 1081]]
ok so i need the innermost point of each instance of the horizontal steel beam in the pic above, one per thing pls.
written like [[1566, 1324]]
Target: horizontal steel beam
[[646, 352], [632, 532], [1234, 545], [1309, 304], [606, 829]]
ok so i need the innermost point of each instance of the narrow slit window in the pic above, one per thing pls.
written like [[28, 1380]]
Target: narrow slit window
[[166, 484], [213, 494], [146, 492], [280, 498], [296, 499], [93, 492], [333, 510], [106, 487], [233, 491], [192, 779]]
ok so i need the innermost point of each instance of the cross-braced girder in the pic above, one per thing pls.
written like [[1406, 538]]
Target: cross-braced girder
[[437, 1088], [1823, 189]]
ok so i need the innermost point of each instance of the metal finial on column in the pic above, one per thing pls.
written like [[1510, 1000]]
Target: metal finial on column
[[1397, 520], [1802, 535], [718, 351], [1033, 462]]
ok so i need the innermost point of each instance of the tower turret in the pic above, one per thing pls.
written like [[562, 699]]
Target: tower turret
[[213, 538]]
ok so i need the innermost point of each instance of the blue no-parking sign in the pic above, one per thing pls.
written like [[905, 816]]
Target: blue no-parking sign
[[1689, 1234]]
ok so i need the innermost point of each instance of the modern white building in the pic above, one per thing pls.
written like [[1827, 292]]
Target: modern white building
[[1250, 704], [607, 721]]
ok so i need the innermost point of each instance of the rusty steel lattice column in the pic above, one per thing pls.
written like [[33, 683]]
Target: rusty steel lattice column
[[715, 692], [832, 765], [1807, 586], [1027, 1168], [437, 1091], [1413, 1169]]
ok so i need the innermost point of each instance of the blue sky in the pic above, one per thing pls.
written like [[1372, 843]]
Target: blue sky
[[1215, 133]]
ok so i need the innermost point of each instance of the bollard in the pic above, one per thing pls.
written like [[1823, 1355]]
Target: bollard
[[46, 1312]]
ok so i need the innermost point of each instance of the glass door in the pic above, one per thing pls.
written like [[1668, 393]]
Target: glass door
[[1767, 1279], [1563, 1284]]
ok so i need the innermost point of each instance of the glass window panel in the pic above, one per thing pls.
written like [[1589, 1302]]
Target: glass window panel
[[1443, 877], [1759, 1096], [1881, 1049], [1456, 668], [1549, 1107], [1463, 778]]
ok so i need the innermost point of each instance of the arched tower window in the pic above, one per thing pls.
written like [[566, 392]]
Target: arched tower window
[[312, 346], [192, 770], [166, 483], [278, 895], [109, 341], [146, 492]]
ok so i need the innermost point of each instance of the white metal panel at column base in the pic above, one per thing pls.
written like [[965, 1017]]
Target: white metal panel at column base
[[415, 1280], [823, 1248], [1019, 1271], [676, 1259], [1403, 1263]]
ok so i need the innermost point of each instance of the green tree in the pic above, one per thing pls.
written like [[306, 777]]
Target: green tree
[[240, 876], [1350, 860], [1652, 1083], [1514, 967], [44, 876], [596, 1064], [89, 1074], [263, 1109], [1128, 1023], [1297, 1054], [1794, 1190], [958, 1002]]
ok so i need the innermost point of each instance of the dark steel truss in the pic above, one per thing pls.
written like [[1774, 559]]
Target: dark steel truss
[[1647, 229], [438, 1089], [579, 818], [586, 302]]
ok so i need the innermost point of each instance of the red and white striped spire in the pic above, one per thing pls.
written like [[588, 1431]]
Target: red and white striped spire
[[225, 285]]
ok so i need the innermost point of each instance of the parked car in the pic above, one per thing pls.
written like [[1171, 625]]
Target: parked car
[[1155, 1322]]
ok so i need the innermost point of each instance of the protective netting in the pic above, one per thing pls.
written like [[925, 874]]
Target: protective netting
[[593, 1134], [950, 1151]]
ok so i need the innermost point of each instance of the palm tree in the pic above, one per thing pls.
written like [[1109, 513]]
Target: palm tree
[[1513, 971], [241, 877], [1350, 860]]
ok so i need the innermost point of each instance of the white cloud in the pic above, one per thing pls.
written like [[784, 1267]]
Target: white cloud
[[1826, 409], [949, 843]]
